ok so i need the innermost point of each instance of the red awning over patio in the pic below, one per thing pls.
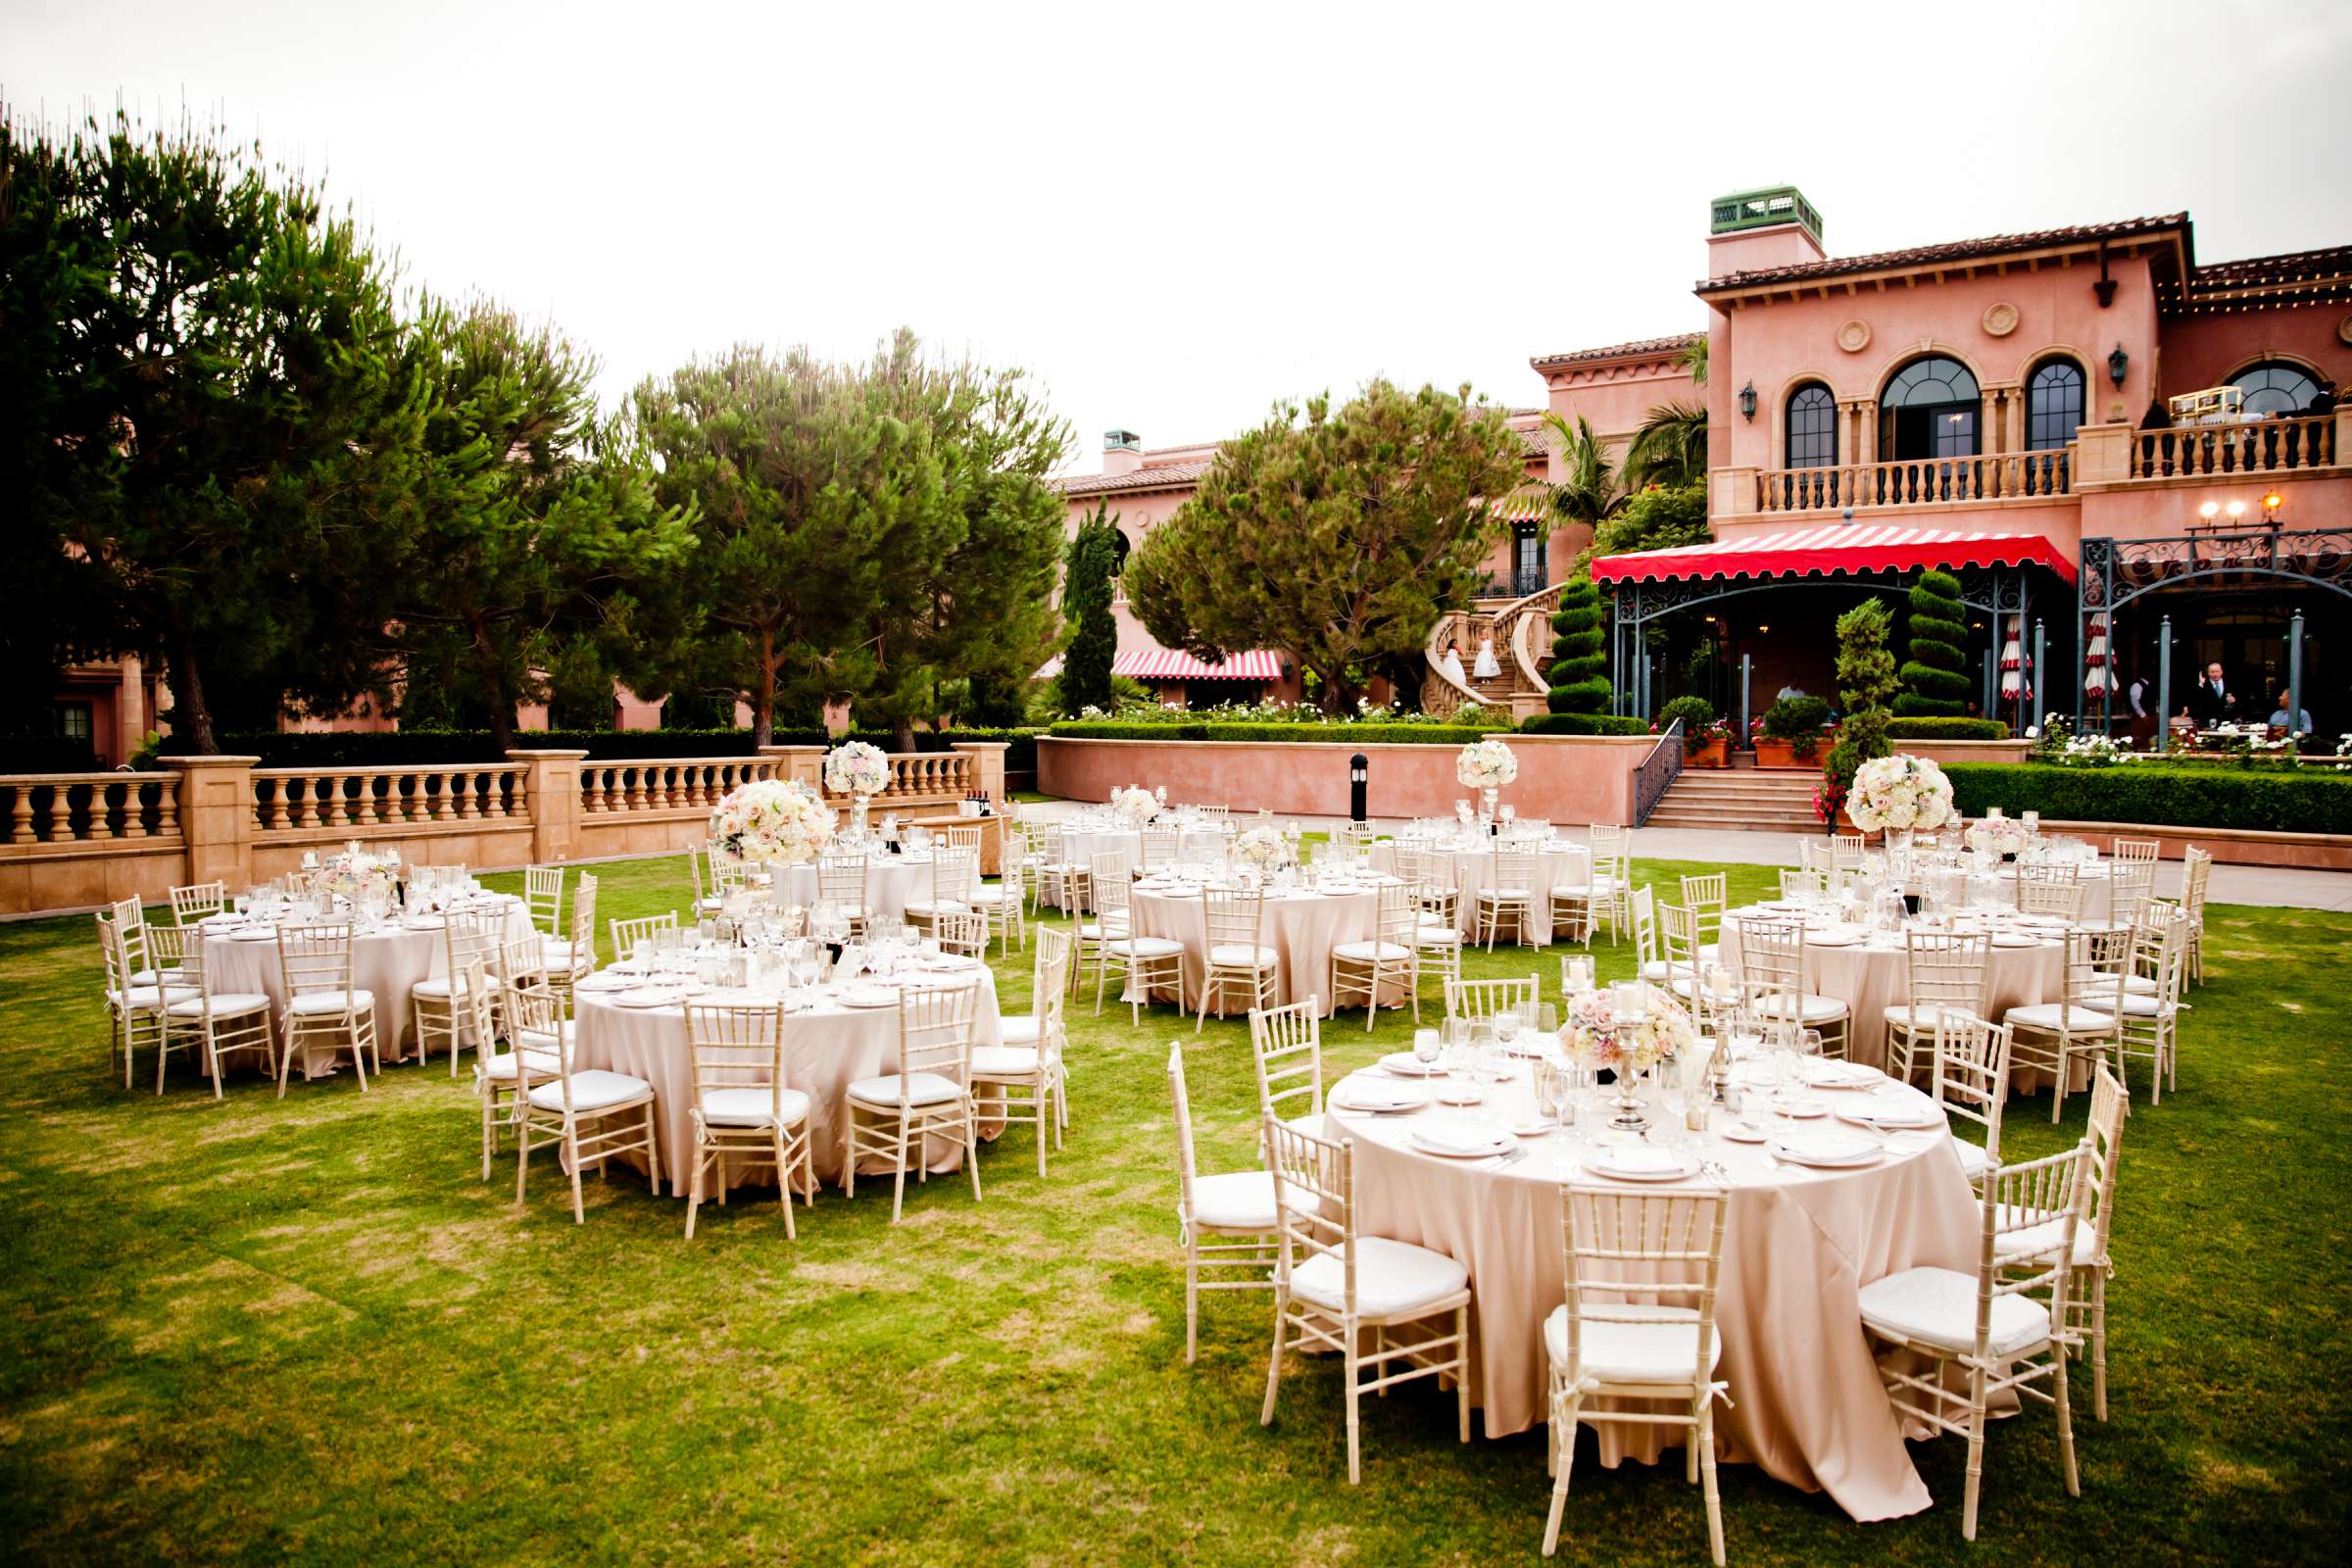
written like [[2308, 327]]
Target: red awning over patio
[[1833, 548], [1169, 664]]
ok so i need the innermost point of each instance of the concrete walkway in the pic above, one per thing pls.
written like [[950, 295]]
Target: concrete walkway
[[2275, 887]]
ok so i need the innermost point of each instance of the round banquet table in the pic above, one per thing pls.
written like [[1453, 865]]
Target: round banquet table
[[1301, 927], [826, 1048], [1999, 887], [1807, 1405], [1872, 975], [1084, 841], [892, 881], [384, 961], [1559, 865]]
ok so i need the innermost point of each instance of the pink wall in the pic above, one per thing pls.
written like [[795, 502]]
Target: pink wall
[[2202, 351], [1568, 778]]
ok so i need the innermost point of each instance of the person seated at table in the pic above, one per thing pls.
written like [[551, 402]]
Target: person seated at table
[[2279, 719]]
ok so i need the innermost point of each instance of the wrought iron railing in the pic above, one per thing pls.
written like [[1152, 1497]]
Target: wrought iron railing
[[1660, 769], [1515, 584]]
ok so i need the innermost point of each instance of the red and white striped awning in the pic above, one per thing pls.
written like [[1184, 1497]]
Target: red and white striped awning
[[1832, 548], [1169, 664]]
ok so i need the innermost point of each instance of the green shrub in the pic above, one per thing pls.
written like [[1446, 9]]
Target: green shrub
[[2158, 795], [1583, 725], [1796, 719], [1938, 627], [1945, 729], [1578, 685], [427, 748], [1695, 713]]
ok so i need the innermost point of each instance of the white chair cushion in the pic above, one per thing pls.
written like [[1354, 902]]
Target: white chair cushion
[[927, 907], [1937, 1307], [1146, 947], [2136, 1006], [1017, 1028], [928, 1089], [1662, 1348], [150, 996], [1577, 892], [1904, 1014], [2043, 1238], [434, 989], [1240, 1201], [1504, 895], [998, 894], [1371, 952], [752, 1107], [501, 1068], [1092, 932], [311, 1003], [1974, 1162], [1656, 970], [592, 1090], [166, 977], [1437, 936], [1392, 1278], [1011, 1061], [2140, 985], [1809, 1009], [1241, 955], [541, 1040], [1708, 953], [224, 1005], [711, 906], [2047, 1016]]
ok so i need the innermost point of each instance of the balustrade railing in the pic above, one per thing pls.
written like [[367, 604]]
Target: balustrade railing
[[90, 807], [928, 775], [2261, 446], [1660, 769], [291, 799], [1916, 482], [669, 784]]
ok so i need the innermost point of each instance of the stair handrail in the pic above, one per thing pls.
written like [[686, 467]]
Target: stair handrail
[[1529, 612], [1437, 682], [1656, 771]]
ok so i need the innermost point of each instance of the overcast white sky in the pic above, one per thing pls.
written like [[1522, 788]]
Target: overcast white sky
[[1176, 213]]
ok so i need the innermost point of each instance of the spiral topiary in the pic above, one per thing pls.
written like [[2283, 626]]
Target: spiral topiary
[[1578, 685], [1938, 624]]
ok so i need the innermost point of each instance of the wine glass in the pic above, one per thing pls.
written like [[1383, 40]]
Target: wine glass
[[1506, 1029], [1425, 1046]]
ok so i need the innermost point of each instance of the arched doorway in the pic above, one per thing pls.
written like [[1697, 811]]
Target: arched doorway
[[1929, 409]]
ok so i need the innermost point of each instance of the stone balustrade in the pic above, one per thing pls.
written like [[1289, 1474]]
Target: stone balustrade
[[1917, 483], [89, 807], [362, 799], [2266, 446]]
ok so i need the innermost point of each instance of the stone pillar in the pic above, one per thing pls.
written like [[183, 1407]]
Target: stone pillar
[[1732, 492], [216, 817], [551, 792], [988, 766], [2102, 455], [805, 764], [131, 709]]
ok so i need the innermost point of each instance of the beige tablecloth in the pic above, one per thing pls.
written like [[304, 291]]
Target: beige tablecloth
[[1561, 866], [385, 962], [1301, 927], [1807, 1405], [825, 1051], [1874, 975], [890, 882]]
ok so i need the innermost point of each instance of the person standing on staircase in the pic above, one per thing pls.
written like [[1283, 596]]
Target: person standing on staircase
[[1451, 666], [1486, 668]]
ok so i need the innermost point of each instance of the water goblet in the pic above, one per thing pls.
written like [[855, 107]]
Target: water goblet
[[1425, 1046]]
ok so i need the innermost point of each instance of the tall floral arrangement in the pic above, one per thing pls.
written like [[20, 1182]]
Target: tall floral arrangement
[[858, 768], [1261, 847], [1901, 791], [1134, 806], [1485, 764], [780, 822]]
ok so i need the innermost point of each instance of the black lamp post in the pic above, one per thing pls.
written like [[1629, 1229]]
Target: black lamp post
[[1359, 775]]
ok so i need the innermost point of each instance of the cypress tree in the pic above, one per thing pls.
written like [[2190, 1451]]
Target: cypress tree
[[1578, 685], [1938, 625], [1086, 603]]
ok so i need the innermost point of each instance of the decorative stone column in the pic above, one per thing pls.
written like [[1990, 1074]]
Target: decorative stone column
[[216, 817], [1730, 492], [804, 763], [551, 793], [988, 766], [2102, 455]]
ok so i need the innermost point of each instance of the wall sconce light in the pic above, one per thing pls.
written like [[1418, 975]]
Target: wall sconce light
[[1747, 402], [2237, 511], [2271, 503], [2210, 511], [2117, 364]]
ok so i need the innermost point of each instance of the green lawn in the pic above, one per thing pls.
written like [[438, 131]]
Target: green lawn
[[263, 1330]]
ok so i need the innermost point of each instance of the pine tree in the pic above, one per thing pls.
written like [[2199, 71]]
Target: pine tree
[[1086, 606], [1938, 625], [1578, 685]]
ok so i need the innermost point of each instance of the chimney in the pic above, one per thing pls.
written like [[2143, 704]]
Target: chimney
[[1122, 452], [1752, 229]]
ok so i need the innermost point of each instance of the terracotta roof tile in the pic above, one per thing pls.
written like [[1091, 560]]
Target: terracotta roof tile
[[1158, 476], [1639, 348], [2259, 272], [1959, 250]]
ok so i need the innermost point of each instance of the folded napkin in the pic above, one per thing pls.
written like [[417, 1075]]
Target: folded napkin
[[1384, 1092], [1455, 1136], [1902, 1114], [1834, 1147], [1639, 1157]]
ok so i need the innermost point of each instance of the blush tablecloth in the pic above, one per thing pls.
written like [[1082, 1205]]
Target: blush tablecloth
[[892, 881], [1301, 927], [1798, 1244], [826, 1049], [1559, 865]]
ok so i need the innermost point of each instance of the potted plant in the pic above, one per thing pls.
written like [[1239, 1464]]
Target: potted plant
[[1706, 739], [1793, 728]]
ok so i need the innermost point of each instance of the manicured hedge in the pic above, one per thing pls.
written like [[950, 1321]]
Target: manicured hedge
[[1368, 734], [2158, 795], [1585, 724], [424, 748], [1947, 729]]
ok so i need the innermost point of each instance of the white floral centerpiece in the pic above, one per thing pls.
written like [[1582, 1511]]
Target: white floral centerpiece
[[783, 823], [856, 769], [1485, 764], [1598, 1035], [1899, 793], [1134, 806], [1261, 847], [353, 873], [1996, 836]]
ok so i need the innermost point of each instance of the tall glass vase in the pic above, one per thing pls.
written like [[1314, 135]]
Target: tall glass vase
[[1488, 800], [1631, 1110], [857, 806]]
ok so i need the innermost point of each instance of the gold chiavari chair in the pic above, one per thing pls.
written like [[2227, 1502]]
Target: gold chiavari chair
[[1225, 1221], [2197, 870], [2086, 1293], [592, 1114], [1480, 1000], [439, 1003], [1945, 972], [1708, 898], [842, 881], [1771, 970], [197, 901], [542, 896], [1972, 1082], [2049, 1035], [2149, 1024], [1234, 921], [626, 934], [894, 1115], [744, 1107], [535, 1020], [1112, 869], [216, 1023], [322, 1005], [135, 995], [567, 961], [1335, 1287], [955, 873], [1804, 883], [1677, 939], [1612, 877], [1653, 1360], [1146, 964], [2054, 891], [1285, 1047], [962, 932], [1362, 969], [1510, 896], [1033, 1068]]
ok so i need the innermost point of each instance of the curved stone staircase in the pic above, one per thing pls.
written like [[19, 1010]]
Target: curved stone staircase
[[1522, 633]]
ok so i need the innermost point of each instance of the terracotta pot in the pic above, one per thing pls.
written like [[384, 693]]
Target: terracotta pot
[[1716, 752], [1783, 754]]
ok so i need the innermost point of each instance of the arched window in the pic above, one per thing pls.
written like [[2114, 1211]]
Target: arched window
[[1812, 427], [1929, 410], [2275, 387], [2053, 404]]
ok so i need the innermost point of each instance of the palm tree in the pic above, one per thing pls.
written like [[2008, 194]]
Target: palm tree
[[1695, 360], [1588, 491], [1670, 446]]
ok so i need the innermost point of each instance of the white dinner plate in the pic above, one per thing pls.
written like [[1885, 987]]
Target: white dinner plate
[[2015, 939], [1379, 1097], [1834, 937], [1912, 1118], [1460, 1142], [1642, 1162], [1744, 1132], [255, 933], [651, 997], [869, 996], [1828, 1149], [1830, 1074], [594, 983], [1406, 1065]]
